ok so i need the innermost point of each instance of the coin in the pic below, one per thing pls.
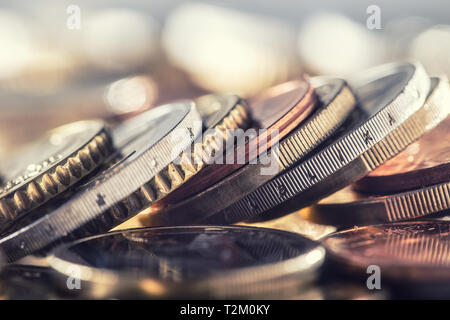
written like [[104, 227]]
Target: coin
[[278, 110], [415, 251], [348, 208], [215, 262], [388, 95], [425, 162], [98, 205], [50, 165], [336, 102]]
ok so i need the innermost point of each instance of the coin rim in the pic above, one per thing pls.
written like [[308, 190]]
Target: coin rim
[[359, 157]]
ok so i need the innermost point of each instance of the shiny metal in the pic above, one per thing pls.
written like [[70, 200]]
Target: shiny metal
[[181, 262], [97, 205], [425, 162], [335, 103], [45, 168], [388, 95], [406, 252], [278, 110]]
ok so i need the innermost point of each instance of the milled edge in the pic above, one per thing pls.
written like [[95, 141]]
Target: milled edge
[[340, 154], [317, 129], [56, 179]]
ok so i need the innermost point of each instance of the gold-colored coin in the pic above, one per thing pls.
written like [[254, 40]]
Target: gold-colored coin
[[50, 165]]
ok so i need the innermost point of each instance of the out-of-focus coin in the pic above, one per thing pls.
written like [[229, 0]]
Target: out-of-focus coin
[[431, 47], [334, 44], [388, 95], [182, 262], [335, 103], [226, 50], [99, 204], [50, 165], [277, 110], [24, 115], [426, 161], [406, 252]]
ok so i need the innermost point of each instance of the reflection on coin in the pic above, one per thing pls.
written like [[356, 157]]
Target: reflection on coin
[[388, 95], [99, 204], [217, 262], [424, 163], [416, 251], [47, 167]]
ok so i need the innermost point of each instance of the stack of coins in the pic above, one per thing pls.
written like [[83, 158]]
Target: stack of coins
[[243, 198]]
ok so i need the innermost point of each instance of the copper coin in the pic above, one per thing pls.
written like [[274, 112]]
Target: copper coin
[[415, 251], [282, 108], [425, 162]]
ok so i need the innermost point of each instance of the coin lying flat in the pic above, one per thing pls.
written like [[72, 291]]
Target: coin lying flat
[[47, 167], [278, 110], [215, 262], [415, 251], [98, 204], [335, 103], [388, 95], [425, 162]]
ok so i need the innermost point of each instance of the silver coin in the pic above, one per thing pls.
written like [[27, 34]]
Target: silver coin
[[140, 160], [388, 95], [199, 261]]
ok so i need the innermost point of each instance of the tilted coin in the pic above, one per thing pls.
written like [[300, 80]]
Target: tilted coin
[[415, 251], [388, 95], [143, 163], [335, 103], [182, 262], [277, 110], [50, 165], [346, 207], [425, 162]]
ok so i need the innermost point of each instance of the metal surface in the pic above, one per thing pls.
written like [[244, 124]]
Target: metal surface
[[336, 102], [217, 262], [425, 162], [286, 106], [414, 252], [388, 95], [50, 165], [97, 205]]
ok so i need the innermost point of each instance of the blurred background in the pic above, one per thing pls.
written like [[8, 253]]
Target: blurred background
[[62, 61]]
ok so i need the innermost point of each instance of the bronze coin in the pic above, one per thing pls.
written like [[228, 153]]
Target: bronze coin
[[411, 252], [282, 108], [425, 162]]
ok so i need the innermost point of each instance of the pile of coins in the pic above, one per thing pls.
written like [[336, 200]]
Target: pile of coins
[[295, 192]]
